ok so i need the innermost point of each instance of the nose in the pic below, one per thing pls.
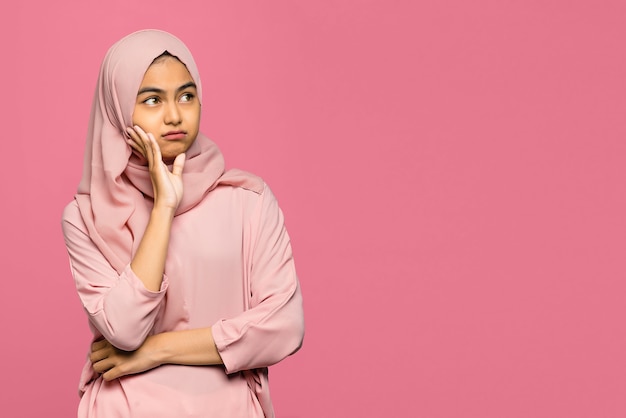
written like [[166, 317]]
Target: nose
[[172, 115]]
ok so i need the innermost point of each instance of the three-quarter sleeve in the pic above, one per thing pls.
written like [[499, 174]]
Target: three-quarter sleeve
[[273, 326], [118, 305]]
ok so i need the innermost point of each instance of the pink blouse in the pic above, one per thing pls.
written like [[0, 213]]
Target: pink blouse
[[230, 267]]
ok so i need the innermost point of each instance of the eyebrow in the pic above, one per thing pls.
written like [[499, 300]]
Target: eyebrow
[[161, 91]]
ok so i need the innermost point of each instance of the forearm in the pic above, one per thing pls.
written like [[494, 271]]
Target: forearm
[[117, 303], [262, 335], [148, 263], [193, 347]]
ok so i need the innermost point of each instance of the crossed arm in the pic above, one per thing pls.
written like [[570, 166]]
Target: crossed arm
[[193, 347], [127, 351], [190, 347]]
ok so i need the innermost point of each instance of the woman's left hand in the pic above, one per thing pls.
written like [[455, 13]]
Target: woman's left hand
[[112, 362]]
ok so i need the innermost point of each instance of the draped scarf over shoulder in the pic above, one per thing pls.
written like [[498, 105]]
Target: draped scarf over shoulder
[[115, 181]]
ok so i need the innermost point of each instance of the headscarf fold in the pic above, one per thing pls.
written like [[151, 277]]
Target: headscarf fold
[[115, 181]]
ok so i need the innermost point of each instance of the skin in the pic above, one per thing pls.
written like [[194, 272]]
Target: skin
[[166, 102]]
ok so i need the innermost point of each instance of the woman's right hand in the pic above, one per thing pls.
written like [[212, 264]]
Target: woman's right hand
[[167, 186]]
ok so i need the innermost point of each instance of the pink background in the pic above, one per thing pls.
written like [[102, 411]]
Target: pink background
[[452, 174]]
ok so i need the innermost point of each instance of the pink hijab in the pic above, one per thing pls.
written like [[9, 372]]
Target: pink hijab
[[115, 180]]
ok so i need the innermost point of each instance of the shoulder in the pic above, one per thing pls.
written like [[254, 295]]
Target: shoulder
[[71, 213], [243, 180], [71, 218], [252, 189]]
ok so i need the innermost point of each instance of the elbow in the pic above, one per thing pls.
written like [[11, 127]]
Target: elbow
[[279, 344], [127, 339], [126, 321], [126, 344], [297, 334], [290, 338], [292, 329], [121, 334]]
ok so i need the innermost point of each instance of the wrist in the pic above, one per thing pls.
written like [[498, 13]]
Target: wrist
[[157, 349], [162, 211]]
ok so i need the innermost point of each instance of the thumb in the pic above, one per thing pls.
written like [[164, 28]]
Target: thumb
[[179, 164]]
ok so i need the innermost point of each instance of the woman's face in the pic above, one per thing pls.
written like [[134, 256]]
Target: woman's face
[[167, 106]]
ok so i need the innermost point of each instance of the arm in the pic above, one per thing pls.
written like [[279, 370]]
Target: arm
[[273, 326], [270, 330], [188, 347], [122, 307], [118, 306], [149, 260]]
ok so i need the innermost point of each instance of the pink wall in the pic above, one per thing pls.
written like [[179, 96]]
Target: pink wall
[[452, 174]]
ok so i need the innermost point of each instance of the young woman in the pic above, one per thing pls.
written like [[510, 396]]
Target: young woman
[[185, 270]]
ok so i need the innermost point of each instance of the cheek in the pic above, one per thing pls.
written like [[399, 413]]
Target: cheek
[[139, 118], [138, 115], [193, 118], [146, 120]]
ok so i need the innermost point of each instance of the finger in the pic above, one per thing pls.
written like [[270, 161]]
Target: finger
[[179, 164], [103, 366], [134, 146], [134, 136], [139, 131], [135, 141], [151, 148], [98, 355], [99, 345], [112, 374], [156, 150], [146, 137], [146, 143]]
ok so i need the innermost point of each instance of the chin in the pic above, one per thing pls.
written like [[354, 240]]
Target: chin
[[170, 155], [168, 159]]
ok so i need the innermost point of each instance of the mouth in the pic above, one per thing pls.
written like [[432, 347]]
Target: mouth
[[174, 135]]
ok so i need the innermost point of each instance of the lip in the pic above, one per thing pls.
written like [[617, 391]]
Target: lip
[[174, 135]]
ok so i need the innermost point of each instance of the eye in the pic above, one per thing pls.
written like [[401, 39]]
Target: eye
[[151, 101], [187, 97]]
